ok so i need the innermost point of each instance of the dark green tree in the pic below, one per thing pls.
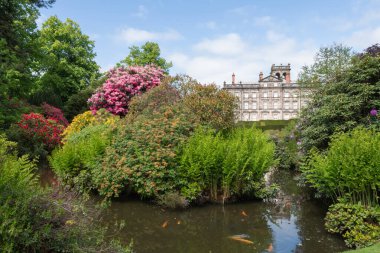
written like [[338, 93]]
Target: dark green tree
[[68, 64], [19, 50], [344, 104], [149, 53]]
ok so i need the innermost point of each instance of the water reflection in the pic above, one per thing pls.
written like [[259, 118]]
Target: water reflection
[[290, 223]]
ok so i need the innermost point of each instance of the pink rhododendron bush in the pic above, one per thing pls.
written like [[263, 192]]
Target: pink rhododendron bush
[[122, 84]]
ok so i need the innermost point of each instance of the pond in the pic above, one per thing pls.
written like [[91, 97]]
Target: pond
[[290, 223]]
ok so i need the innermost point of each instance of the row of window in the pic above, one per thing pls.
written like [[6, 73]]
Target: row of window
[[266, 94], [266, 105], [266, 115]]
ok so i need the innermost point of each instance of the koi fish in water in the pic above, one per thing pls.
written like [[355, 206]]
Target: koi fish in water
[[165, 224], [244, 214], [241, 239]]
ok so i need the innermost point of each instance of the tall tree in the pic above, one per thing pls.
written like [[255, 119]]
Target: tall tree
[[149, 53], [329, 64], [342, 105], [68, 64], [18, 48]]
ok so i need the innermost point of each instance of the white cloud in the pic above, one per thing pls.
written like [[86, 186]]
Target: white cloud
[[229, 44], [142, 12], [139, 35], [215, 60], [364, 38]]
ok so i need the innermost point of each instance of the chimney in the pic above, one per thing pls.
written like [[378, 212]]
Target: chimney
[[233, 78], [261, 76], [287, 77]]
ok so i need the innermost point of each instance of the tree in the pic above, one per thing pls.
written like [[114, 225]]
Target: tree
[[342, 105], [68, 65], [330, 62], [18, 48], [149, 53]]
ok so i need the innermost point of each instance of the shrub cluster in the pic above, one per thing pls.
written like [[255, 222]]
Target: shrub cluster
[[142, 154], [349, 167], [34, 219], [89, 119], [227, 165], [359, 224], [36, 135]]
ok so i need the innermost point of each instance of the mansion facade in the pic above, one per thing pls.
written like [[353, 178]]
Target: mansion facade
[[274, 97]]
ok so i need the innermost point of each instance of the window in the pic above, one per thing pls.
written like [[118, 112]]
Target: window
[[246, 95], [265, 115], [265, 104], [254, 105], [237, 94], [245, 105], [254, 95], [286, 105], [253, 116], [295, 105], [265, 94], [276, 116], [245, 116], [275, 105], [286, 94], [286, 116], [275, 94]]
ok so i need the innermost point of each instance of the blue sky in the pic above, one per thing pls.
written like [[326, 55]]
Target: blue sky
[[211, 39]]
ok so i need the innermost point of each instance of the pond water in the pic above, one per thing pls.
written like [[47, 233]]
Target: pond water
[[290, 223]]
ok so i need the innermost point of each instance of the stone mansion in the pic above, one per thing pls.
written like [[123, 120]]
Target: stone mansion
[[274, 97]]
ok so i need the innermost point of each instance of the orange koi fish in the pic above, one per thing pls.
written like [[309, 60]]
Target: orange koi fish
[[165, 224]]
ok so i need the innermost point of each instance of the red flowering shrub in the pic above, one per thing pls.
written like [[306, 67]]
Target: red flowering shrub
[[52, 112], [40, 129], [122, 84]]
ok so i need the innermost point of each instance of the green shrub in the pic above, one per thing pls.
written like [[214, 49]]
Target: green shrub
[[143, 155], [74, 162], [288, 147], [231, 165], [349, 167], [358, 224], [34, 219], [11, 110]]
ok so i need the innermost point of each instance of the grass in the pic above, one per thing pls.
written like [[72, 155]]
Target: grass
[[372, 249]]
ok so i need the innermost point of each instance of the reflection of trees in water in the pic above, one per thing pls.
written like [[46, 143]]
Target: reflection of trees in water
[[201, 229], [309, 216]]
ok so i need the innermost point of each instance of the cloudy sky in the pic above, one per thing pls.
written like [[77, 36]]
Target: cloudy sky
[[211, 39]]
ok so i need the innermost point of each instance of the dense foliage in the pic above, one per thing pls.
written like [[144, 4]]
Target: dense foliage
[[342, 105], [11, 110], [143, 156], [122, 84], [212, 106], [36, 135], [34, 220], [19, 49], [349, 168], [68, 64], [148, 54], [359, 224], [288, 150], [89, 119], [76, 161], [224, 166]]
